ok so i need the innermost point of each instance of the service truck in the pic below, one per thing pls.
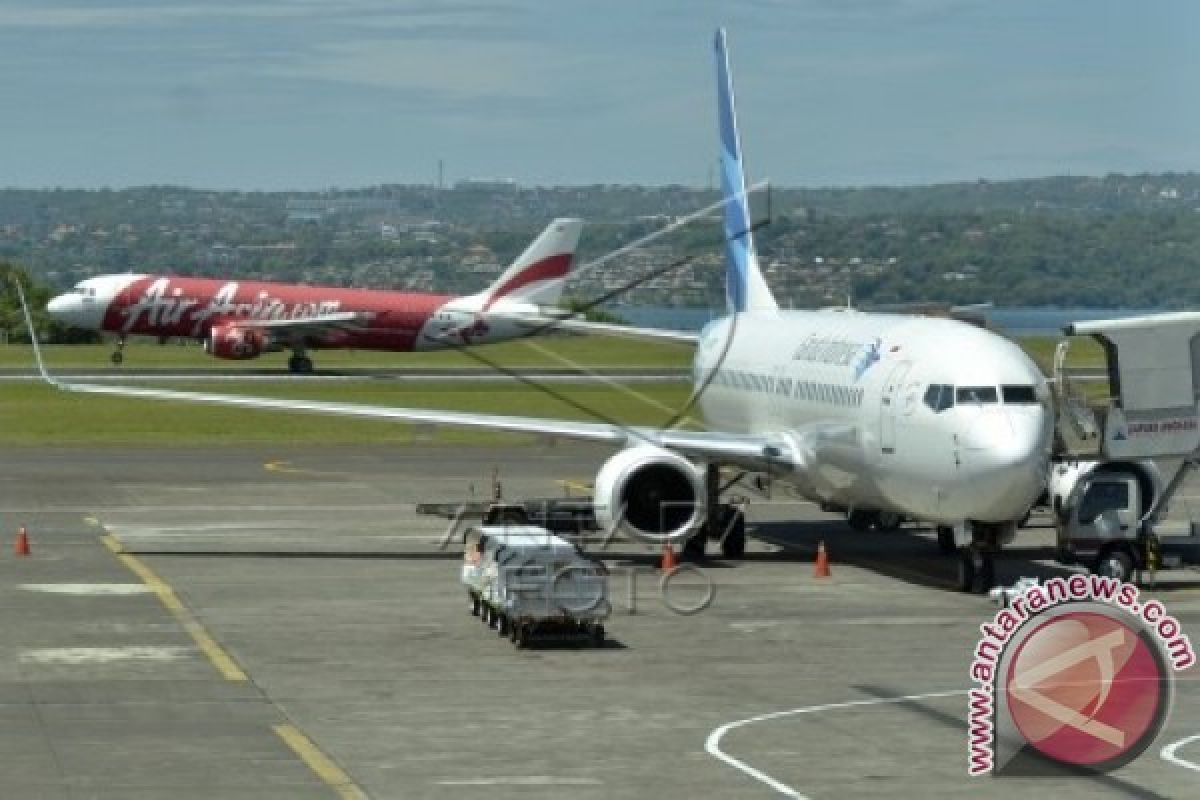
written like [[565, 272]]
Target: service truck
[[527, 583], [1110, 505]]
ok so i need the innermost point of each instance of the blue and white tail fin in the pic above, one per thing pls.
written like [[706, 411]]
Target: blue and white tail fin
[[745, 287]]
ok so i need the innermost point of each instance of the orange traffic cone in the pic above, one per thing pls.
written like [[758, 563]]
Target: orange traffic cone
[[821, 565], [669, 561], [22, 548]]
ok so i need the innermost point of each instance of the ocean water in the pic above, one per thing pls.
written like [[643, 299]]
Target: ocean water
[[1013, 321]]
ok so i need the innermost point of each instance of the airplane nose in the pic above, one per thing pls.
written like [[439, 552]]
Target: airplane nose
[[59, 304], [1009, 459], [64, 308]]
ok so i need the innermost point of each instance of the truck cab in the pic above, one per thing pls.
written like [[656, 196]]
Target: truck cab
[[1098, 522]]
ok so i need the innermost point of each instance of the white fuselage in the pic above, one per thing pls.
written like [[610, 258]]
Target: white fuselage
[[853, 392]]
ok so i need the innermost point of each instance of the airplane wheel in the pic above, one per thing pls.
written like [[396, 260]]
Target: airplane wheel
[[502, 625], [522, 639], [1115, 564], [300, 365], [976, 570], [598, 635], [117, 357], [945, 539], [474, 605]]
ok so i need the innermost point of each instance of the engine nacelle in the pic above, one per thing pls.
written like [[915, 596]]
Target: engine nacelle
[[650, 494], [234, 342]]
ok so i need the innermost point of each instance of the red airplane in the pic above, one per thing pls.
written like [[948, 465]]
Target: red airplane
[[244, 319]]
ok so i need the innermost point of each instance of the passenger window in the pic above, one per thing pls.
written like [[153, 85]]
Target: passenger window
[[1019, 395], [974, 395], [939, 397]]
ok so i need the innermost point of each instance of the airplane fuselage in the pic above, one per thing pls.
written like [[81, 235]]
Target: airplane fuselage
[[976, 449], [178, 306]]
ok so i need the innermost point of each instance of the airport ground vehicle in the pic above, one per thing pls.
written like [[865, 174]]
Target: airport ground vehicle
[[1109, 507], [526, 583]]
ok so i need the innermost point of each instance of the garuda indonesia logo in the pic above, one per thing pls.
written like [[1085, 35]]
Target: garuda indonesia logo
[[869, 357]]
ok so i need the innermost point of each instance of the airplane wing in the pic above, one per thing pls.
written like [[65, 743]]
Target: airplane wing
[[547, 322], [796, 450]]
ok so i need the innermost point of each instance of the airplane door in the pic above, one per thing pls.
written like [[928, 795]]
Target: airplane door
[[889, 403]]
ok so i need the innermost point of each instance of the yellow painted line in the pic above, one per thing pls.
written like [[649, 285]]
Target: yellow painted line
[[285, 468], [322, 765], [573, 485], [223, 662]]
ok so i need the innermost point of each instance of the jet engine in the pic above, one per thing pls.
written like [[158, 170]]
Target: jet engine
[[650, 495], [234, 342]]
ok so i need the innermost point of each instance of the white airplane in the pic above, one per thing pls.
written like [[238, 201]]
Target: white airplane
[[881, 415]]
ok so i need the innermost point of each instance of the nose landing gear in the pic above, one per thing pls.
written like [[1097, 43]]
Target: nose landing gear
[[118, 355], [977, 544], [976, 570]]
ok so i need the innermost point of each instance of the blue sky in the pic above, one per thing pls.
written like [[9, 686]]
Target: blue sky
[[308, 94]]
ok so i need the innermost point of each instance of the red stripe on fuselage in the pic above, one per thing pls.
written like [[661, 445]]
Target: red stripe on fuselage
[[163, 305], [546, 269]]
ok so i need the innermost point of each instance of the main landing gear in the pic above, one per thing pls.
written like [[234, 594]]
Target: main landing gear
[[118, 355], [300, 364], [725, 522]]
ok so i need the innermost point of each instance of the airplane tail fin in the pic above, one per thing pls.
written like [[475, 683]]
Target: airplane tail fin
[[539, 273], [745, 287]]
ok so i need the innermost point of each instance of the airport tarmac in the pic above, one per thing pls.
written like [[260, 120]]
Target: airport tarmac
[[278, 623]]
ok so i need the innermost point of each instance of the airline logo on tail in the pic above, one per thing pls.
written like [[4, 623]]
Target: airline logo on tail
[[745, 288], [538, 275]]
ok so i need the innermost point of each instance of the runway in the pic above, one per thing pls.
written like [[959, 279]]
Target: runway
[[194, 624]]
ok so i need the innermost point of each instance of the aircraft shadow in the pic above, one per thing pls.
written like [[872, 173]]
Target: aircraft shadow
[[909, 554]]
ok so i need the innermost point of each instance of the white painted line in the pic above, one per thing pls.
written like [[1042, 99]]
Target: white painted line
[[88, 589], [713, 744], [105, 655], [1168, 753], [522, 780], [213, 509], [218, 526], [247, 534]]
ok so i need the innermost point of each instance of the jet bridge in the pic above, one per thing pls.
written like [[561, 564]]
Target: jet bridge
[[1143, 435], [1152, 365]]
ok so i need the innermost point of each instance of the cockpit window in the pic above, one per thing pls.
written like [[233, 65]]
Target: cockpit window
[[976, 394], [1019, 395], [939, 397]]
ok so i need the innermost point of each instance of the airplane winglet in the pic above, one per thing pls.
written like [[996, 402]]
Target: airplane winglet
[[33, 337]]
